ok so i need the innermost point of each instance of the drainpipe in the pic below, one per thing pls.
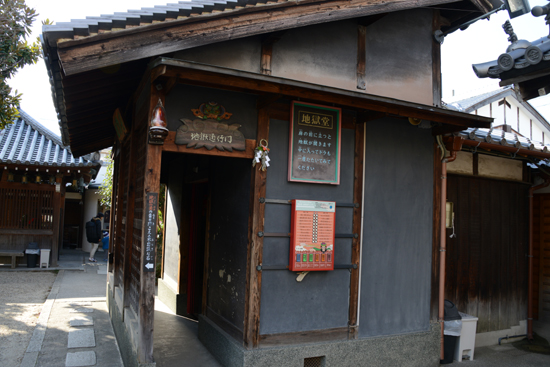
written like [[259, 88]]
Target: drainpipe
[[455, 145], [530, 257]]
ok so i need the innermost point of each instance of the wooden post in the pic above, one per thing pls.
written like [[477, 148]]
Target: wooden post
[[251, 333], [58, 205], [436, 238], [361, 57], [356, 242], [129, 187], [147, 278], [114, 229]]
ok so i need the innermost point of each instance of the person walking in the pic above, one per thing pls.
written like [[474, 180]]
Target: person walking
[[94, 234]]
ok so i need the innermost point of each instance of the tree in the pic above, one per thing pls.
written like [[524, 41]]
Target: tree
[[15, 26], [106, 188]]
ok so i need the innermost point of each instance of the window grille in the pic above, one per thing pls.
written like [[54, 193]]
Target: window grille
[[314, 362]]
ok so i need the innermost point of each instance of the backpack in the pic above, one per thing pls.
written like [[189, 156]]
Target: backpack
[[91, 232]]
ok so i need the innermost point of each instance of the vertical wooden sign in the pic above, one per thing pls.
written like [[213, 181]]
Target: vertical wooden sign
[[314, 149], [150, 231]]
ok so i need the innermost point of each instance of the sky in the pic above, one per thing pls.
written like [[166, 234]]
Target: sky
[[483, 41]]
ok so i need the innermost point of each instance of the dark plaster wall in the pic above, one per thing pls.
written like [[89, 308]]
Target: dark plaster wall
[[399, 56], [321, 300], [397, 234], [228, 237], [182, 99], [242, 54], [322, 54]]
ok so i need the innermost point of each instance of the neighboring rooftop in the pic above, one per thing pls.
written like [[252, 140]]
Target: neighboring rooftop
[[28, 142]]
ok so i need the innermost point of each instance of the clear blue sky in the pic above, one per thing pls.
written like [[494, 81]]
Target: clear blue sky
[[483, 41]]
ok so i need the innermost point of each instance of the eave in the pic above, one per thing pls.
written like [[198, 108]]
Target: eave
[[124, 45]]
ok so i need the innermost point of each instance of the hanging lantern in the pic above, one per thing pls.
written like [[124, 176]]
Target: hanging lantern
[[10, 177], [158, 130], [25, 179], [52, 180], [38, 179], [74, 182]]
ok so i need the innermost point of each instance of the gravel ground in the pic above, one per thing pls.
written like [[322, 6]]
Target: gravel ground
[[22, 295]]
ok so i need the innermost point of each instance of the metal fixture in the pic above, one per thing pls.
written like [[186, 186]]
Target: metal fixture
[[515, 9]]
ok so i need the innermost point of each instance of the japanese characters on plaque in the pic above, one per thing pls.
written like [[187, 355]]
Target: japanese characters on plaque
[[314, 149], [150, 231]]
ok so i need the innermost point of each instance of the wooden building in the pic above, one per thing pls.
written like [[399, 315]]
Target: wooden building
[[187, 92], [496, 227], [36, 169]]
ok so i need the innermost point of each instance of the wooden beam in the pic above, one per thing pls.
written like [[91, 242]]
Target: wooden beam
[[314, 336], [436, 60], [361, 57], [170, 146], [267, 51], [244, 81], [251, 331], [357, 222], [122, 46]]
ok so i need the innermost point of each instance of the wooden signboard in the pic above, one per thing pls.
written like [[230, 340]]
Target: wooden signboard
[[210, 134], [151, 231], [314, 149]]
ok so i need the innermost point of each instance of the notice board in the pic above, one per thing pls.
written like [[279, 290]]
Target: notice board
[[312, 235], [314, 149]]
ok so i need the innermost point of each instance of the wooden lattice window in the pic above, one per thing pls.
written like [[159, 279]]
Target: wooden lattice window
[[28, 209]]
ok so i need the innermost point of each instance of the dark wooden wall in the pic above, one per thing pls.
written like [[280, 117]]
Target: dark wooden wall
[[541, 257], [229, 182], [486, 262]]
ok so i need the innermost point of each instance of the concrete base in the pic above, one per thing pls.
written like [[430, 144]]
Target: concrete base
[[126, 331], [415, 349], [491, 338], [176, 302]]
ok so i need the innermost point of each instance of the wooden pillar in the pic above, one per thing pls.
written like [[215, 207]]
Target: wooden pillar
[[151, 186], [357, 221], [58, 206], [251, 333], [128, 185], [436, 238], [361, 57], [114, 229]]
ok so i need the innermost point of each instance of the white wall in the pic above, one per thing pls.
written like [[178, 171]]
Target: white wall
[[91, 207]]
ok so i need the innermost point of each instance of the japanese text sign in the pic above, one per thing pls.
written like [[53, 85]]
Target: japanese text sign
[[314, 149], [150, 231]]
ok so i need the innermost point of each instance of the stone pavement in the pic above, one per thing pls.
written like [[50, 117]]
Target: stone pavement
[[74, 328]]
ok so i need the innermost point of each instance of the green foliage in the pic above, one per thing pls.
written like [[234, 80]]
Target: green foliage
[[15, 25], [106, 188]]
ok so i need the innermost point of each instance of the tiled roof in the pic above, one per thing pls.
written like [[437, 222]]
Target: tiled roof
[[93, 25], [469, 104], [27, 142], [500, 137], [522, 58]]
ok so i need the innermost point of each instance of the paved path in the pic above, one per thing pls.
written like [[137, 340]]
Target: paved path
[[74, 328]]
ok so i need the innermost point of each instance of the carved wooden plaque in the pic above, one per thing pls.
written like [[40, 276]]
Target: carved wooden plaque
[[210, 134]]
